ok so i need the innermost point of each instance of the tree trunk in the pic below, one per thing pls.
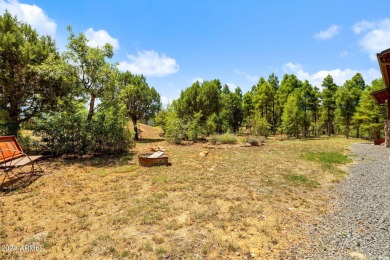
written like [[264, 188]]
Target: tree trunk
[[329, 123], [14, 125], [273, 118], [134, 120], [347, 130], [91, 107], [358, 131]]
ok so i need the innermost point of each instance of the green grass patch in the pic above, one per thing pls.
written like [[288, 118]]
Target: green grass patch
[[226, 139], [100, 172], [125, 168], [301, 180], [328, 157]]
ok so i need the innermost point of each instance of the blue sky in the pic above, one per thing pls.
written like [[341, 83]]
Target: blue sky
[[175, 43]]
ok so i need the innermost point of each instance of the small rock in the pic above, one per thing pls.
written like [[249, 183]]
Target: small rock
[[253, 255], [357, 255], [204, 153]]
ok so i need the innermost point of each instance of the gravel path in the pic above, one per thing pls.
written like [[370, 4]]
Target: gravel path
[[359, 227]]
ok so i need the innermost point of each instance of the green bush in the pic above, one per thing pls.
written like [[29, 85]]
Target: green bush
[[69, 132], [226, 139], [196, 129], [64, 133], [259, 126], [27, 143], [253, 141], [178, 129], [213, 140], [109, 132], [175, 128]]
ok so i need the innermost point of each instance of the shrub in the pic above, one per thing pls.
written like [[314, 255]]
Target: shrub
[[253, 141], [196, 129], [178, 129], [64, 133], [211, 124], [175, 128], [259, 126], [28, 144], [226, 139], [109, 132], [213, 140], [69, 132]]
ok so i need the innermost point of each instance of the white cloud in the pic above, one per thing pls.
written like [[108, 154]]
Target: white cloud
[[329, 33], [165, 101], [339, 75], [100, 38], [30, 14], [251, 78], [232, 86], [200, 80], [150, 63], [362, 26], [376, 37]]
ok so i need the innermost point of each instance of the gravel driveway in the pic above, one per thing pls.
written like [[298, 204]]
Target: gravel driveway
[[359, 227]]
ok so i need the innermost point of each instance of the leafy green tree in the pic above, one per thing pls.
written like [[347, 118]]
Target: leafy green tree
[[94, 74], [261, 98], [292, 115], [195, 128], [188, 102], [305, 99], [247, 104], [369, 115], [359, 81], [328, 103], [287, 86], [209, 98], [200, 97], [314, 106], [258, 125], [141, 101], [231, 114], [32, 74], [347, 100]]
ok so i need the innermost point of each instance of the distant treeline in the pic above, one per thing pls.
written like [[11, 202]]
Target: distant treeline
[[291, 107]]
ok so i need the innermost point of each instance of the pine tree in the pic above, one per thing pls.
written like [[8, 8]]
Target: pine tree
[[369, 115], [347, 100], [328, 103]]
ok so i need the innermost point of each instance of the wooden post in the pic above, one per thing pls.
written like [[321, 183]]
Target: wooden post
[[388, 103]]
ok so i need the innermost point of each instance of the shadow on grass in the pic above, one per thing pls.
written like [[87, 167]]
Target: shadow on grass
[[101, 160], [18, 181]]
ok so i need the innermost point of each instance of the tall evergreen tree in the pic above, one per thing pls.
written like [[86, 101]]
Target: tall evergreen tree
[[328, 103], [292, 114], [273, 82], [231, 113], [347, 100], [369, 115], [287, 86]]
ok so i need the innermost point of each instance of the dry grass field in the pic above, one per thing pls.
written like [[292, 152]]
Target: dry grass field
[[236, 203]]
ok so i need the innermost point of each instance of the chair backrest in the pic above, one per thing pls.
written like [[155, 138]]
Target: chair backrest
[[9, 148]]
